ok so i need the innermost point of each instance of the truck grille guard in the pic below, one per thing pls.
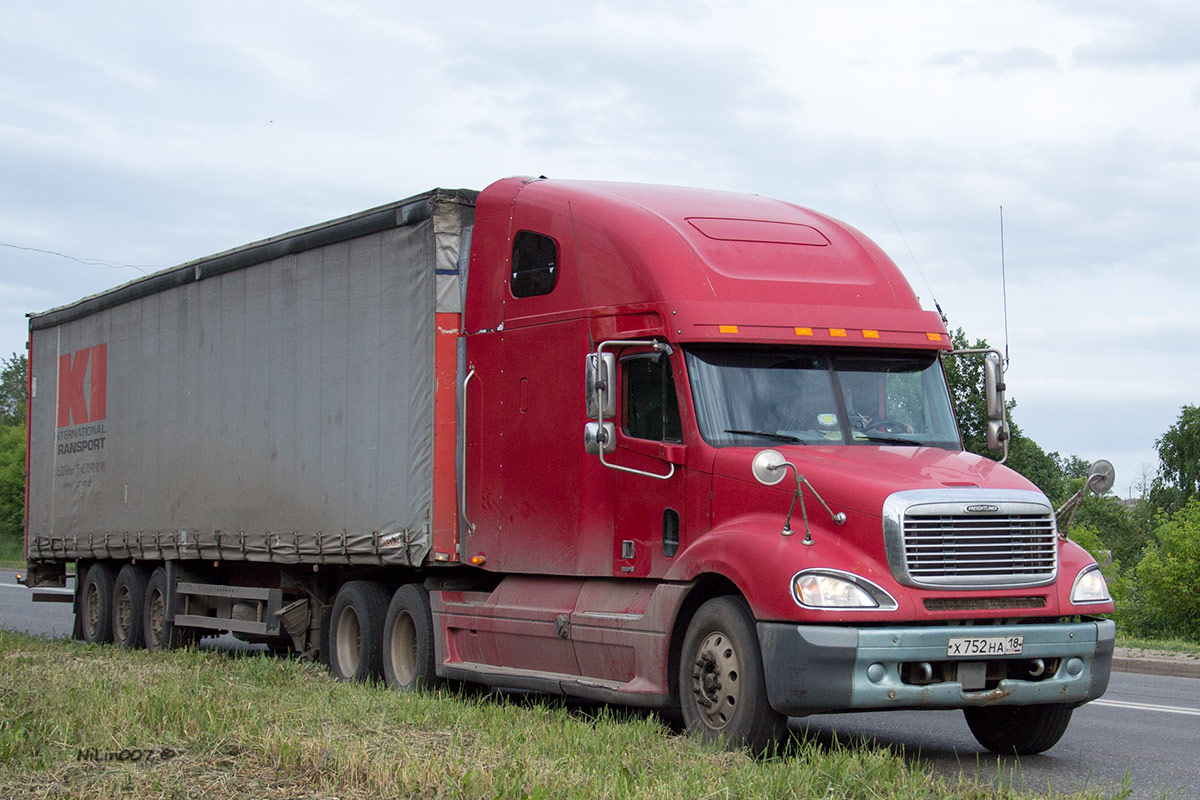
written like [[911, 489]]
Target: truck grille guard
[[970, 538]]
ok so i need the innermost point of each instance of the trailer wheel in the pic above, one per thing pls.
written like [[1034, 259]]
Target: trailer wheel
[[356, 631], [129, 598], [722, 692], [158, 630], [97, 604], [408, 653], [1024, 730]]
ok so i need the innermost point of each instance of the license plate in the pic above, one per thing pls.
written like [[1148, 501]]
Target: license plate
[[985, 646]]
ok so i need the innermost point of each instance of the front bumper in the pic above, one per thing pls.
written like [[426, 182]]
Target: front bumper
[[813, 669]]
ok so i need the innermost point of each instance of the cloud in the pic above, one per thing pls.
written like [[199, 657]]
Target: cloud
[[1160, 33], [1014, 59], [173, 131]]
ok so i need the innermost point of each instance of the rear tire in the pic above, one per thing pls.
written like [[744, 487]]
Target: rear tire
[[158, 631], [96, 604], [1024, 730], [356, 631], [129, 601], [408, 652], [722, 691]]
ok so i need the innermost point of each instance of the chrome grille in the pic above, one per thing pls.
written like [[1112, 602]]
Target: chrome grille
[[936, 542]]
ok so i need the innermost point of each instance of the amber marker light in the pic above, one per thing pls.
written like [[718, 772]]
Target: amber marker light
[[727, 328], [837, 332], [804, 332], [870, 334], [479, 560], [933, 337]]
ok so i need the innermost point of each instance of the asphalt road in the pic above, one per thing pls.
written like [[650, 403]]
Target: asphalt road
[[1144, 731], [53, 620]]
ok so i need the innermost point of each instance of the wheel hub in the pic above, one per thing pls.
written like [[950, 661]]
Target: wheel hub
[[715, 680], [157, 616], [92, 609], [124, 612]]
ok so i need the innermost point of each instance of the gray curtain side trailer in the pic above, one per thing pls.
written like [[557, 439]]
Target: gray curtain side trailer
[[270, 405]]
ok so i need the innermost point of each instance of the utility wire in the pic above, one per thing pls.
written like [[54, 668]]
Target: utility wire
[[87, 262], [916, 264]]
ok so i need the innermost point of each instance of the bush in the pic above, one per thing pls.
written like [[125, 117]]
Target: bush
[[12, 479], [1165, 595], [1118, 586]]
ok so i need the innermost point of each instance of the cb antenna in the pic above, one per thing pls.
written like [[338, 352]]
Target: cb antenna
[[1004, 286], [920, 271]]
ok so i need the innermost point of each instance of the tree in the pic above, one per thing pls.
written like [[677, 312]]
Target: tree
[[12, 479], [1125, 529], [13, 399], [964, 375], [14, 389], [1178, 479]]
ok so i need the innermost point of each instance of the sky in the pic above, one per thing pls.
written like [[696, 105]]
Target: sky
[[140, 135]]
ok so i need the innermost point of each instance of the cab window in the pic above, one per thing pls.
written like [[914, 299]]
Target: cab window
[[649, 406]]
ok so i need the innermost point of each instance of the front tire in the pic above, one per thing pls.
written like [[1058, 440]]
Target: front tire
[[408, 653], [722, 691], [1024, 730], [356, 631], [129, 599], [96, 604]]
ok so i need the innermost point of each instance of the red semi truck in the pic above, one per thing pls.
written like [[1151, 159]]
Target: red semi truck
[[657, 446]]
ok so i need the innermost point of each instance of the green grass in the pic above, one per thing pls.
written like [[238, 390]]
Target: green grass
[[1178, 646], [12, 550], [263, 727]]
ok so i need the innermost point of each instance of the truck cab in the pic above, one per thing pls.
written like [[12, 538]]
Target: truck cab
[[643, 367]]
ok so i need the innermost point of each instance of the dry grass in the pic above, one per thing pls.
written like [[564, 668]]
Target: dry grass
[[261, 727]]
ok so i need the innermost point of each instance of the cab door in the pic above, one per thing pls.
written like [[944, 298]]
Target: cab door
[[650, 492]]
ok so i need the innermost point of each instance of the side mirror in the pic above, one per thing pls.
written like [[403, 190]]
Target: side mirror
[[768, 467], [596, 438], [993, 389], [997, 434], [599, 371], [1100, 477]]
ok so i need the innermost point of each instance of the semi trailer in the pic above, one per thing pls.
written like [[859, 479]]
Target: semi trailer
[[657, 446]]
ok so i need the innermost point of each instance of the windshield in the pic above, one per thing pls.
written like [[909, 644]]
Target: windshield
[[745, 396]]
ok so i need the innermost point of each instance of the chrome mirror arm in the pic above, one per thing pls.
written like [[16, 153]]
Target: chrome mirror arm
[[766, 463], [606, 386]]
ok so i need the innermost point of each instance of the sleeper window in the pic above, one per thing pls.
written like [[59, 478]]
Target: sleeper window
[[534, 264]]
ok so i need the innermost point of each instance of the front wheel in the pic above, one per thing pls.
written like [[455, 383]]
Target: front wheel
[[722, 692], [1024, 730]]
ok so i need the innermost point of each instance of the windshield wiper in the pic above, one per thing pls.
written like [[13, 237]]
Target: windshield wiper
[[778, 437], [892, 440]]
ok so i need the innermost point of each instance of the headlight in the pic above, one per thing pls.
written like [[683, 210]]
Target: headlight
[[833, 589], [1090, 587]]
